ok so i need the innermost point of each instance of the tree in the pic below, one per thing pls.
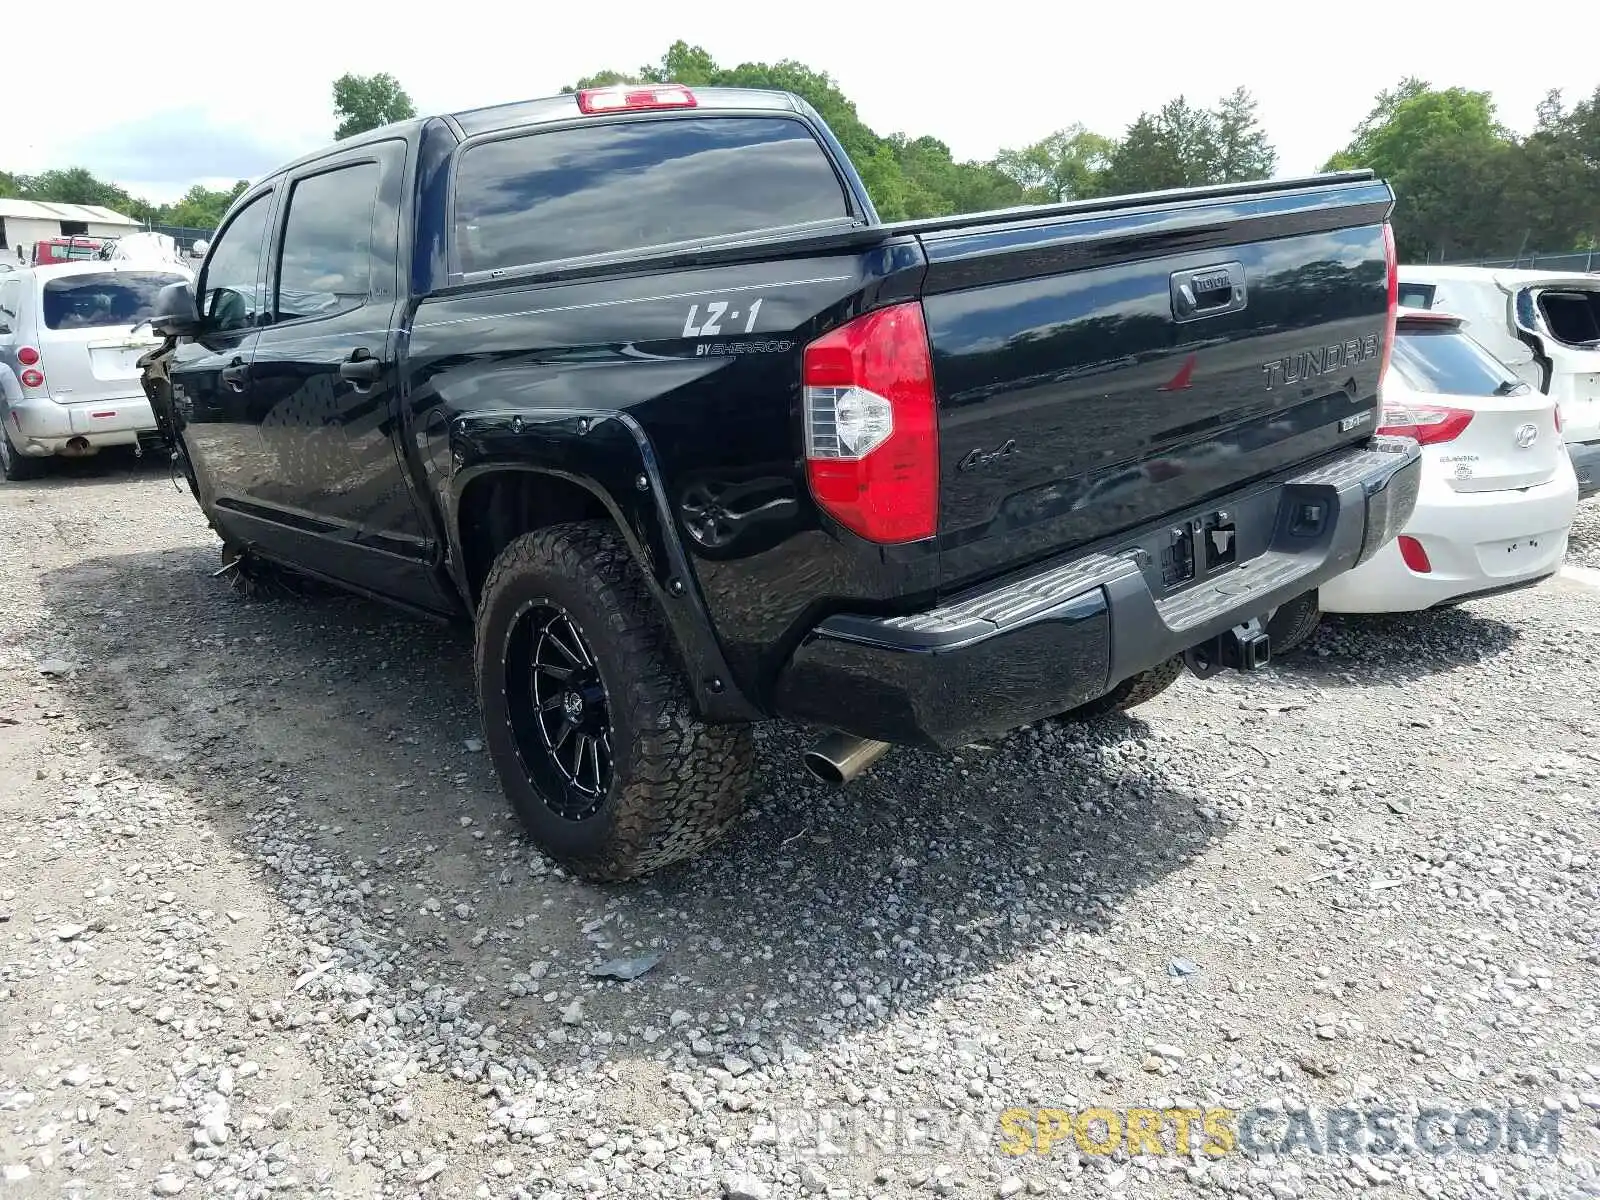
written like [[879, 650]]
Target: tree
[[1176, 146], [1069, 164], [1243, 152], [1414, 115], [1465, 187], [203, 208], [364, 102], [1383, 111], [77, 185]]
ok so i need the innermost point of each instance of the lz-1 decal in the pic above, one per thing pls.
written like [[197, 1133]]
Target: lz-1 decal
[[716, 310]]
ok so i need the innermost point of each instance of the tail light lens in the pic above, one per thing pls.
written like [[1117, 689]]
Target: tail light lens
[[1555, 411], [872, 436], [1428, 423], [28, 356], [1392, 262], [32, 378]]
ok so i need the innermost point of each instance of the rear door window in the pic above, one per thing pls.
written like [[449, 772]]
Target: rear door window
[[627, 185], [115, 299], [326, 262], [1446, 361]]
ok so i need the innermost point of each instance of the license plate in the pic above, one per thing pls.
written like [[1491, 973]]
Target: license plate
[[1505, 557], [116, 362]]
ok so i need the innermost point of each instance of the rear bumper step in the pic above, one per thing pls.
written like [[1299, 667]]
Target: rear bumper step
[[1030, 647]]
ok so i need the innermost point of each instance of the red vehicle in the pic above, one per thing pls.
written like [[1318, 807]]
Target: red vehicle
[[65, 249]]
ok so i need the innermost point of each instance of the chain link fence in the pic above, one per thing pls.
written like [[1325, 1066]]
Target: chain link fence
[[1571, 260]]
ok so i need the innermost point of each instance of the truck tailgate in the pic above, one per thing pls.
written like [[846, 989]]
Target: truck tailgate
[[1098, 370]]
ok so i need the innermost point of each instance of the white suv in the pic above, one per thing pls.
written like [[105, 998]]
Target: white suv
[[70, 338]]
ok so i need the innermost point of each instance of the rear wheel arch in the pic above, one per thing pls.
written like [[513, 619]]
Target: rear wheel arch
[[492, 504], [498, 506]]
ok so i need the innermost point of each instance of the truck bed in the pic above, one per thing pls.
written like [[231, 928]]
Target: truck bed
[[1076, 400]]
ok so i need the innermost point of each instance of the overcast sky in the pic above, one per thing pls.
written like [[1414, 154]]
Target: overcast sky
[[157, 109]]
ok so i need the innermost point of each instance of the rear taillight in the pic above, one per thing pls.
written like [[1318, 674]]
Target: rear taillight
[[28, 356], [1427, 423], [32, 378], [1555, 411], [871, 431], [1413, 555], [1392, 263], [631, 98]]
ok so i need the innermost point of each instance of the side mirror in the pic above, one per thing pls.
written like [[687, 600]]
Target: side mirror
[[200, 247], [175, 313]]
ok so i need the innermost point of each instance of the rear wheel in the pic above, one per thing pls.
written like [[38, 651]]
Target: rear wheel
[[17, 466], [1133, 691], [587, 716], [1291, 625]]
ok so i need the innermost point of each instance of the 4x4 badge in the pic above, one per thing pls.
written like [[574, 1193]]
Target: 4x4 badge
[[983, 458]]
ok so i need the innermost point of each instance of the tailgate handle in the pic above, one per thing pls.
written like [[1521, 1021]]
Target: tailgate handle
[[1208, 291]]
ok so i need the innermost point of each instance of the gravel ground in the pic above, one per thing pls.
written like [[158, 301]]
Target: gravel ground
[[1584, 546], [268, 926]]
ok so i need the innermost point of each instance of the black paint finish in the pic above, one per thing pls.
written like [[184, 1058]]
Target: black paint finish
[[662, 389]]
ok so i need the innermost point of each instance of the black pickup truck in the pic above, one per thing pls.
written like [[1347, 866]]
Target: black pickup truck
[[636, 379]]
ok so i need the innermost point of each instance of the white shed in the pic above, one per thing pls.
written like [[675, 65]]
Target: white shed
[[24, 222]]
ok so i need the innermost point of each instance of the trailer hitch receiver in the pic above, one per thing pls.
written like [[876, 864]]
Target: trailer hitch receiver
[[1243, 648]]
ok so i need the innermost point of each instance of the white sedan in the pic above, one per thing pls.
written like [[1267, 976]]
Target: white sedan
[[1497, 493]]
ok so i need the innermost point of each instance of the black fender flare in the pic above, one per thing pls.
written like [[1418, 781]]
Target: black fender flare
[[609, 455]]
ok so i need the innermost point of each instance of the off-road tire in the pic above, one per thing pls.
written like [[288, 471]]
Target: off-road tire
[[18, 467], [1131, 692], [1293, 624], [676, 781]]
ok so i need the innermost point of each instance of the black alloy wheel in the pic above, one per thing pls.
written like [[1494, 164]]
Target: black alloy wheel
[[560, 715]]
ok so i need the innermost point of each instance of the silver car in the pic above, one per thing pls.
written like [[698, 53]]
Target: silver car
[[70, 339]]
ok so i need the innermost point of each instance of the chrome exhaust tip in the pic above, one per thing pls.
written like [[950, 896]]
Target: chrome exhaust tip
[[840, 757]]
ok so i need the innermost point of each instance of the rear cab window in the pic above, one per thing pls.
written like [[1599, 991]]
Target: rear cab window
[[115, 299], [1437, 357], [621, 186]]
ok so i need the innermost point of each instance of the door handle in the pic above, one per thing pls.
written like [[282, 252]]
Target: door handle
[[361, 368], [1208, 291], [235, 374]]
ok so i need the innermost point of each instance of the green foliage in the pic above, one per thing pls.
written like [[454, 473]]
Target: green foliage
[[363, 102], [1414, 115], [1180, 145], [1242, 152], [1465, 187], [1070, 164], [200, 207]]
